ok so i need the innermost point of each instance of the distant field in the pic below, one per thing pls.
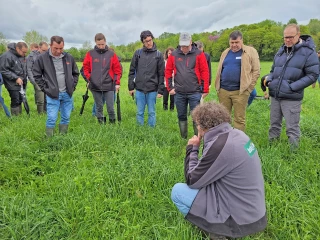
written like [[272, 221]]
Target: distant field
[[114, 182]]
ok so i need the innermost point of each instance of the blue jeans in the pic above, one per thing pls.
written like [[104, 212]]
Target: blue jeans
[[183, 197], [142, 100], [5, 108], [182, 101], [64, 103], [253, 94]]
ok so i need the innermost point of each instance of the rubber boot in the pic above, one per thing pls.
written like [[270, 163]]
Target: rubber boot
[[63, 128], [40, 109], [49, 132], [195, 129], [20, 109], [183, 125], [112, 121], [15, 111], [102, 120]]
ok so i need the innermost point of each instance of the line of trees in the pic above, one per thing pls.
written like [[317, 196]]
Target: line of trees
[[265, 36]]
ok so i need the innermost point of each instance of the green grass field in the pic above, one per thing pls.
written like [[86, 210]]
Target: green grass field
[[114, 181]]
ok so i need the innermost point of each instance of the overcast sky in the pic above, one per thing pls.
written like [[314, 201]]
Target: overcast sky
[[122, 20]]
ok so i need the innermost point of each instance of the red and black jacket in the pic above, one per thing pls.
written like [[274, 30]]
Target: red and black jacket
[[191, 73], [102, 68]]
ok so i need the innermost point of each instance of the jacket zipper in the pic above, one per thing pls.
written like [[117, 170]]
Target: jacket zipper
[[217, 197], [282, 73]]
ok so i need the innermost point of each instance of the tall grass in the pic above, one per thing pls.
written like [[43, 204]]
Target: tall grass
[[114, 181]]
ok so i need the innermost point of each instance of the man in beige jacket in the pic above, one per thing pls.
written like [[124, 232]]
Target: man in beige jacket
[[237, 74]]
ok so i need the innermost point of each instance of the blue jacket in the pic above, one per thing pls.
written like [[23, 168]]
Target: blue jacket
[[293, 70]]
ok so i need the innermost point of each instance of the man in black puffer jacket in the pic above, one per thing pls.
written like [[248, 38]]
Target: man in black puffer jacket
[[294, 68]]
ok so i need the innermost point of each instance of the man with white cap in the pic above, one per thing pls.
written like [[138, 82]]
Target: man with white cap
[[191, 79]]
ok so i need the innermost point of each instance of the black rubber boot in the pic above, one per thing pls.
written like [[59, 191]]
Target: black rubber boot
[[183, 125], [63, 128], [15, 111], [49, 132], [195, 129], [112, 121]]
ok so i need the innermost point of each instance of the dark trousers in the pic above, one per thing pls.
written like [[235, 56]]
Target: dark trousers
[[182, 102], [16, 98], [165, 100]]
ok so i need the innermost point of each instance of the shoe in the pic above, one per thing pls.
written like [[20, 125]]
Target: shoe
[[63, 128]]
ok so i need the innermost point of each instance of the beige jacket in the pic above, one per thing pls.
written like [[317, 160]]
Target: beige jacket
[[250, 68]]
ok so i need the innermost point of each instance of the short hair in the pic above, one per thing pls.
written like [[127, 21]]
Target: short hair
[[34, 45], [210, 114], [293, 25], [99, 37], [42, 43], [166, 52], [235, 34], [21, 45], [145, 34], [199, 44], [56, 39]]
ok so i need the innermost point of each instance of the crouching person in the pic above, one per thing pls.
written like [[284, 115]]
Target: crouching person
[[224, 190], [56, 73]]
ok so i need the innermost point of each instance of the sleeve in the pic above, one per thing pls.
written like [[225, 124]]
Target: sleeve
[[6, 64], [116, 69], [169, 71], [263, 87], [160, 74], [37, 71], [204, 73], [82, 74], [75, 73], [311, 73], [255, 69], [132, 72], [30, 63], [87, 68]]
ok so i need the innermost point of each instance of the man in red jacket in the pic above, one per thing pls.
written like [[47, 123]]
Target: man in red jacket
[[191, 79], [103, 71]]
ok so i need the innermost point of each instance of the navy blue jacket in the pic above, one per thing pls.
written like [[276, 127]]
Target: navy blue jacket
[[293, 70]]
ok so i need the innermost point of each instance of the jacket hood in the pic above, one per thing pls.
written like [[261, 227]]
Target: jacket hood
[[305, 41], [12, 48], [153, 49], [101, 50]]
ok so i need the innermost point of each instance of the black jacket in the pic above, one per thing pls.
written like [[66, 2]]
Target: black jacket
[[293, 70], [44, 74], [146, 72], [12, 67]]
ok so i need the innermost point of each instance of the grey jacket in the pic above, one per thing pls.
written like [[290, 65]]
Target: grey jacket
[[231, 199], [30, 61], [12, 67]]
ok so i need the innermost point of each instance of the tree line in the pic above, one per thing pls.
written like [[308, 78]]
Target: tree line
[[265, 36]]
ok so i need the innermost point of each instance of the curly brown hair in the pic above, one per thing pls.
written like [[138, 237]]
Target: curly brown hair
[[210, 114]]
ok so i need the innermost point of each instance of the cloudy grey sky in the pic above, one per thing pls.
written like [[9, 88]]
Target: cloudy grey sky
[[122, 20]]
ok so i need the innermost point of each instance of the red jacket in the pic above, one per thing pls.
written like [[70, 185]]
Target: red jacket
[[191, 73], [102, 69]]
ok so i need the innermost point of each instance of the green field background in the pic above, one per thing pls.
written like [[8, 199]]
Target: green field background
[[114, 181]]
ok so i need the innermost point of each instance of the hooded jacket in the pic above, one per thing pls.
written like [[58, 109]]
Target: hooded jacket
[[147, 71], [12, 67], [191, 72], [102, 68], [45, 76], [231, 199], [293, 70]]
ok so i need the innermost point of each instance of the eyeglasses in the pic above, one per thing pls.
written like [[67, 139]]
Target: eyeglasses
[[289, 37], [147, 41]]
